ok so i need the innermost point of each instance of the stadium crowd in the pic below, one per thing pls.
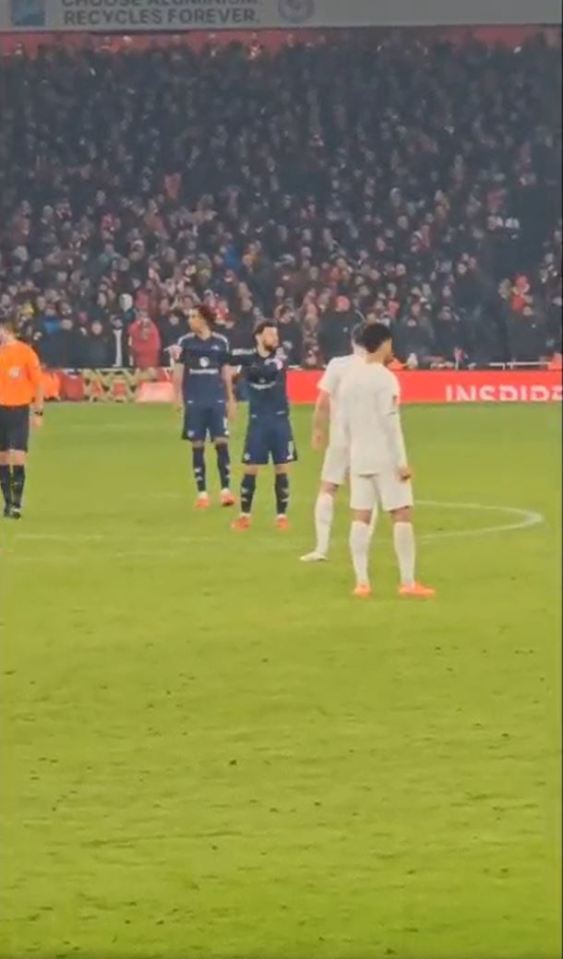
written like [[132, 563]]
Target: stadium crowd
[[414, 184]]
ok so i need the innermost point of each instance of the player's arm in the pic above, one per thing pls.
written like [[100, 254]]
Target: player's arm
[[178, 373], [321, 418], [391, 424], [36, 380], [228, 375]]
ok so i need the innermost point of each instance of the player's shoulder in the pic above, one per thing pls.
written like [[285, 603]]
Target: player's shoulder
[[25, 351], [186, 338], [221, 340]]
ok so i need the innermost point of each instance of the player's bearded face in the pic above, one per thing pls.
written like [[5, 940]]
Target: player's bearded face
[[270, 339]]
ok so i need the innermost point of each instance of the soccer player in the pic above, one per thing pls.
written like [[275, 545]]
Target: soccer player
[[337, 457], [203, 384], [20, 390], [379, 470], [269, 433]]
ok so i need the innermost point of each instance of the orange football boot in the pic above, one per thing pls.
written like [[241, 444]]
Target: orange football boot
[[227, 498], [282, 523], [242, 524], [363, 591], [417, 591], [203, 502]]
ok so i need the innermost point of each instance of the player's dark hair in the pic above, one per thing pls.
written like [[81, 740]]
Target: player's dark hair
[[358, 334], [207, 313], [374, 336], [264, 325], [10, 323]]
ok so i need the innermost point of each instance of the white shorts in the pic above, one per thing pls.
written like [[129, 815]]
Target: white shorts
[[336, 465], [384, 488]]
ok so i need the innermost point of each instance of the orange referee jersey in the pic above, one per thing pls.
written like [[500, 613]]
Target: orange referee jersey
[[20, 374]]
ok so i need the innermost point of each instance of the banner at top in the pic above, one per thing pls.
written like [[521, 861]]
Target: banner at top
[[128, 16]]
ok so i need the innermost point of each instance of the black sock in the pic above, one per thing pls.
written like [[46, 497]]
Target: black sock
[[224, 465], [198, 459], [282, 493], [6, 484], [247, 491], [18, 484]]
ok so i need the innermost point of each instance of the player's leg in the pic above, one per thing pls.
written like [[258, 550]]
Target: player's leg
[[195, 431], [5, 463], [6, 481], [283, 452], [247, 492], [333, 476], [220, 433], [397, 499], [363, 500], [255, 455], [281, 487], [18, 445], [19, 464]]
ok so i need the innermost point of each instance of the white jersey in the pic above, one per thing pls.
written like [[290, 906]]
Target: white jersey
[[368, 409], [331, 382]]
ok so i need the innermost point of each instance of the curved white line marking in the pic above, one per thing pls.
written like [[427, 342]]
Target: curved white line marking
[[522, 519], [526, 519]]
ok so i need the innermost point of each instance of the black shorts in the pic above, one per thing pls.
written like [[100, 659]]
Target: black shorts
[[14, 429]]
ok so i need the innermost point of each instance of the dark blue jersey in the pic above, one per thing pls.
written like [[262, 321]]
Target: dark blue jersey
[[267, 387], [203, 361]]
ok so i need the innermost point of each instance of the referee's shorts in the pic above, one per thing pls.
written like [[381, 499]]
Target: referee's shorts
[[14, 429]]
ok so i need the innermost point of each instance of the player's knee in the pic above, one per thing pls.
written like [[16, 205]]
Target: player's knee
[[198, 444], [362, 516], [329, 488], [281, 470], [251, 471], [403, 515]]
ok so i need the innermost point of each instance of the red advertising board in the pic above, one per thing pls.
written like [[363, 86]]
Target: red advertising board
[[454, 386], [482, 386]]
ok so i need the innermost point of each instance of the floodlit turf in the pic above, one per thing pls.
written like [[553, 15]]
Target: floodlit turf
[[212, 751]]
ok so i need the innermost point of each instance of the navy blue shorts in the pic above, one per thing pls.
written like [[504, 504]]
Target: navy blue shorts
[[269, 438], [14, 429], [203, 421]]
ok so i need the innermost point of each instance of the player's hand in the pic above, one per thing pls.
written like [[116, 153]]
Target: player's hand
[[232, 410], [317, 440], [405, 474], [36, 421]]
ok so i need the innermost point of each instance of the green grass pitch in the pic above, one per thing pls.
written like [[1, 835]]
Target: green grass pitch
[[209, 751]]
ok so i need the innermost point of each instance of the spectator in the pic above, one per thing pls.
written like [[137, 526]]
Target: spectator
[[144, 343], [291, 336], [96, 350], [337, 325], [352, 191]]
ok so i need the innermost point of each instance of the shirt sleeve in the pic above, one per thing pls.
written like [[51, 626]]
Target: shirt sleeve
[[327, 382], [33, 368], [389, 405]]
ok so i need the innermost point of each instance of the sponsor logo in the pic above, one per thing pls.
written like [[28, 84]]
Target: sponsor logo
[[504, 393], [28, 13], [296, 12]]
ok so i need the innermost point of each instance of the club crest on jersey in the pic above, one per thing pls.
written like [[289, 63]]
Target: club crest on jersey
[[296, 11], [204, 362], [14, 372]]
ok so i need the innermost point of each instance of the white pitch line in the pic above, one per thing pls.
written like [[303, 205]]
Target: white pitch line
[[526, 519]]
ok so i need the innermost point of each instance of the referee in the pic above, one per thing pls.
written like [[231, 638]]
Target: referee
[[21, 401]]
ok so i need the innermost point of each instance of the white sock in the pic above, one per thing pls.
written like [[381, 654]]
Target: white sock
[[373, 524], [360, 537], [405, 550], [324, 513]]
